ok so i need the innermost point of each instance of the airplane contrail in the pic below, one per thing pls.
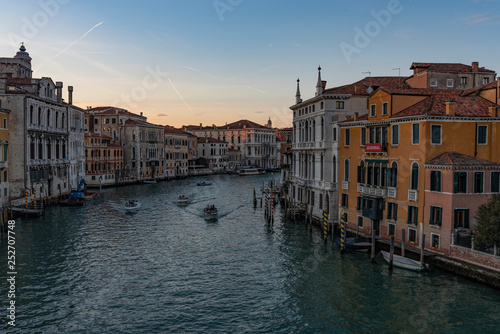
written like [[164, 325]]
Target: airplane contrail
[[78, 40], [179, 94]]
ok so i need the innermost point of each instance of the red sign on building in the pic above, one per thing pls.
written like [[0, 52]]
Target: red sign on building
[[377, 147]]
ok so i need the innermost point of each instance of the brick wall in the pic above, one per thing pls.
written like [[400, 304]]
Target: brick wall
[[475, 257]]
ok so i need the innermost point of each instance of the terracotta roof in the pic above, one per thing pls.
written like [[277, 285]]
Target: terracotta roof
[[233, 150], [210, 140], [87, 134], [447, 67], [170, 129], [435, 105], [452, 158], [22, 81], [491, 85], [141, 123], [111, 111], [286, 129], [360, 87], [363, 117], [243, 124], [235, 125]]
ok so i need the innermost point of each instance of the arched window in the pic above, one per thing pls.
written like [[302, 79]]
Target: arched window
[[39, 116], [414, 176], [392, 175], [48, 117], [62, 121], [346, 170], [31, 114], [361, 172]]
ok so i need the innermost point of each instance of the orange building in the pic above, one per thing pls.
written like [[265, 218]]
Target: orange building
[[383, 155], [103, 159]]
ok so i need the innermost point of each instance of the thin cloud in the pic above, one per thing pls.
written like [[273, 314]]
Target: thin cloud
[[481, 19], [162, 115], [197, 70]]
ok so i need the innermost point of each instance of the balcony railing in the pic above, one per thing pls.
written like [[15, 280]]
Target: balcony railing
[[412, 195], [392, 192], [366, 189], [4, 164]]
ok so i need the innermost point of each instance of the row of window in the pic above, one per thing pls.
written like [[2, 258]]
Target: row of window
[[460, 182], [379, 135]]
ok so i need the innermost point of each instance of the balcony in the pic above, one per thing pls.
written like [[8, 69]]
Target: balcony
[[376, 214], [412, 195], [392, 192], [366, 189], [4, 164], [345, 185]]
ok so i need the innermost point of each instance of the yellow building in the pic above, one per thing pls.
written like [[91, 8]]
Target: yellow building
[[382, 155], [4, 156]]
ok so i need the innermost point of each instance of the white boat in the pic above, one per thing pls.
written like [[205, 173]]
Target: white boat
[[132, 205], [149, 181], [183, 200], [249, 171], [210, 212], [205, 183], [404, 262]]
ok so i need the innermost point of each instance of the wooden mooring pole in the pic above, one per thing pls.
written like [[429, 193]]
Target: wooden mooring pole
[[403, 238], [391, 254], [422, 249], [373, 243]]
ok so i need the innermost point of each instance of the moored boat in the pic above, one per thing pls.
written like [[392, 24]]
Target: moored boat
[[205, 183], [404, 262], [132, 205], [152, 181], [210, 212], [183, 200], [356, 244]]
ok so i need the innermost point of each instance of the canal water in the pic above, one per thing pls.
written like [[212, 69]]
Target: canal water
[[164, 269]]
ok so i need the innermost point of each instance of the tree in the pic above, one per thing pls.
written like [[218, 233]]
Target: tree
[[487, 230]]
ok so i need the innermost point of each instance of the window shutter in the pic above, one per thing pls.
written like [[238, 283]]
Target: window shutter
[[466, 218], [395, 211], [409, 214], [360, 170], [389, 177], [455, 184], [440, 215], [455, 219]]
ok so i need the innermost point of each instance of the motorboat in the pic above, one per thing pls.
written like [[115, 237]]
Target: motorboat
[[404, 262], [152, 181], [183, 200], [205, 183], [356, 244], [132, 205], [210, 212]]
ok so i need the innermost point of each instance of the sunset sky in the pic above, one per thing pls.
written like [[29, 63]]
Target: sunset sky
[[218, 61]]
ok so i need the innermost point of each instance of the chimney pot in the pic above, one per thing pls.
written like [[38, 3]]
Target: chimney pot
[[323, 83], [493, 111], [356, 116], [70, 94], [475, 66], [451, 108]]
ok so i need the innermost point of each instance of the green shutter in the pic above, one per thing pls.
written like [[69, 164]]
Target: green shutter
[[466, 218]]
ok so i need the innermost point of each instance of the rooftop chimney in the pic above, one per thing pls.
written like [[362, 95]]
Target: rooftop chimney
[[450, 108], [141, 113], [356, 116], [201, 126], [323, 83], [475, 66], [59, 87], [70, 94], [493, 111]]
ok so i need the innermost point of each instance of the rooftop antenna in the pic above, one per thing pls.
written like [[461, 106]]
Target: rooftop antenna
[[370, 89], [399, 74]]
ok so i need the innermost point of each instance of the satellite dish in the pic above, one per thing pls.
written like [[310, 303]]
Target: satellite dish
[[369, 90]]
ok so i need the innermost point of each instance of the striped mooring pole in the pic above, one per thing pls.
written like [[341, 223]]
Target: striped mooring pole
[[26, 200], [342, 233], [325, 223]]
